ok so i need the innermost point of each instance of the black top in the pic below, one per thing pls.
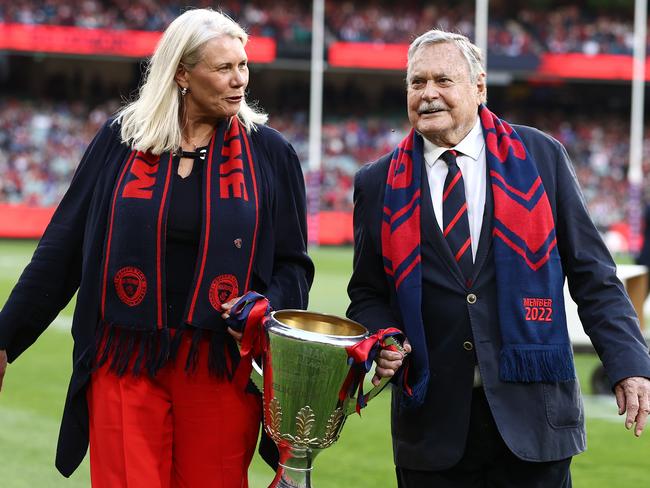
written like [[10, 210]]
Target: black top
[[183, 235]]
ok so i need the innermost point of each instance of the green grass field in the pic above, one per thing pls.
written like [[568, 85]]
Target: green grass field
[[35, 385]]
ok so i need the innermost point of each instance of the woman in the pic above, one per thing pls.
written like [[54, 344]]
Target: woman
[[183, 202]]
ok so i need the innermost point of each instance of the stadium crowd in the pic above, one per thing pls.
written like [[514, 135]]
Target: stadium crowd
[[515, 28], [40, 146]]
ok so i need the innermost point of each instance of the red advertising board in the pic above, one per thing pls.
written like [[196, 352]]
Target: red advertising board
[[21, 221], [581, 66], [103, 42], [25, 222], [368, 55], [329, 228], [563, 66]]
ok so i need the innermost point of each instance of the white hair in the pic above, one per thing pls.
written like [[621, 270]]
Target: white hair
[[151, 122], [471, 52]]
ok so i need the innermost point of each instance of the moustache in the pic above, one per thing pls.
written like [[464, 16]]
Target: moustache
[[431, 107]]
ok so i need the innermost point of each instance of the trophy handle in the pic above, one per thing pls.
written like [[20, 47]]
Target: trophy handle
[[257, 376], [351, 408]]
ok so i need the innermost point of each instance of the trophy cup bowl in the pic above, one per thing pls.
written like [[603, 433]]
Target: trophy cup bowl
[[304, 371]]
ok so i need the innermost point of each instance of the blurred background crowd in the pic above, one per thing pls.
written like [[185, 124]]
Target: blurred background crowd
[[42, 143], [51, 106]]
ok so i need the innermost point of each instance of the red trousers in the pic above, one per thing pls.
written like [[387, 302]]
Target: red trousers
[[176, 430]]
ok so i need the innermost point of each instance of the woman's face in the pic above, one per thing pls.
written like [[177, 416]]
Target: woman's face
[[218, 82]]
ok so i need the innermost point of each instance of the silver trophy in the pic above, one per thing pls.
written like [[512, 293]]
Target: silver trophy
[[305, 367]]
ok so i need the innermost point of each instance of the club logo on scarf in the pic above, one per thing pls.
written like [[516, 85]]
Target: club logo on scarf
[[538, 309], [131, 285], [223, 288]]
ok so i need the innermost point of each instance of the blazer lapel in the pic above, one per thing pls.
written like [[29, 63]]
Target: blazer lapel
[[485, 241]]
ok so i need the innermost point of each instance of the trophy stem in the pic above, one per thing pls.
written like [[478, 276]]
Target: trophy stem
[[291, 478], [295, 472]]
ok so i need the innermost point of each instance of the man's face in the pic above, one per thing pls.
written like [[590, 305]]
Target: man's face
[[442, 102]]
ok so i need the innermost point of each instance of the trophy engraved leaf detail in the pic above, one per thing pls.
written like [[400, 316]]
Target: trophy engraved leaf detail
[[333, 427], [275, 419], [304, 423]]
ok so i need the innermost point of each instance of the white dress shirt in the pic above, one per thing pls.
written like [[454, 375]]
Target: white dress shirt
[[471, 162]]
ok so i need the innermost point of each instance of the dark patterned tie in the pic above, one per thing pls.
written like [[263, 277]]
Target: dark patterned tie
[[454, 216]]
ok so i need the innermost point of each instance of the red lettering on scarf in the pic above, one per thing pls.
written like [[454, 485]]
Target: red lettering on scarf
[[233, 185], [231, 182], [538, 309], [144, 169]]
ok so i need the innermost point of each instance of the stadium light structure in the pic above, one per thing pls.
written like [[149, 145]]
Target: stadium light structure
[[635, 171], [481, 28], [316, 86], [315, 118]]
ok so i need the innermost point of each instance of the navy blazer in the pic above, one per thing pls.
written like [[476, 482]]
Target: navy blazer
[[68, 258], [538, 421]]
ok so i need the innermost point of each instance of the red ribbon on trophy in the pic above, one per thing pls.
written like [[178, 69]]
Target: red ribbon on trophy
[[249, 315], [360, 358]]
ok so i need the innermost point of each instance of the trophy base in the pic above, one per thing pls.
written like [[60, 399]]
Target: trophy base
[[288, 477]]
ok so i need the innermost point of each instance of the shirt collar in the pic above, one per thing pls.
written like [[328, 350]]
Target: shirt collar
[[471, 145]]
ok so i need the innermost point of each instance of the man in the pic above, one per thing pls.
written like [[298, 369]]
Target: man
[[463, 238]]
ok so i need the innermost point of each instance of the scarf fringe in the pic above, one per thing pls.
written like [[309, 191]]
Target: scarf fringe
[[225, 363], [150, 354], [131, 351], [176, 343], [418, 390], [122, 353], [193, 355], [529, 364]]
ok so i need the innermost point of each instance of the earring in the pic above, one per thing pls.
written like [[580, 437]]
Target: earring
[[183, 91]]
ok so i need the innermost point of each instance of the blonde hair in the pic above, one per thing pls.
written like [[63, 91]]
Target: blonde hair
[[151, 122]]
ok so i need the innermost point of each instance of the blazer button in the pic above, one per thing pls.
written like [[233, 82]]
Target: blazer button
[[468, 346], [471, 298]]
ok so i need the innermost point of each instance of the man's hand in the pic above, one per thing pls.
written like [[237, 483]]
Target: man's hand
[[226, 307], [388, 362], [3, 365], [633, 397]]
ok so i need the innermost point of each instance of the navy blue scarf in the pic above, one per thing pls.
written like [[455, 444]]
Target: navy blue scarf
[[133, 287], [530, 280]]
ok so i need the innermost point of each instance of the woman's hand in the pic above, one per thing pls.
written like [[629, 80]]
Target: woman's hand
[[388, 362], [226, 314], [3, 365]]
